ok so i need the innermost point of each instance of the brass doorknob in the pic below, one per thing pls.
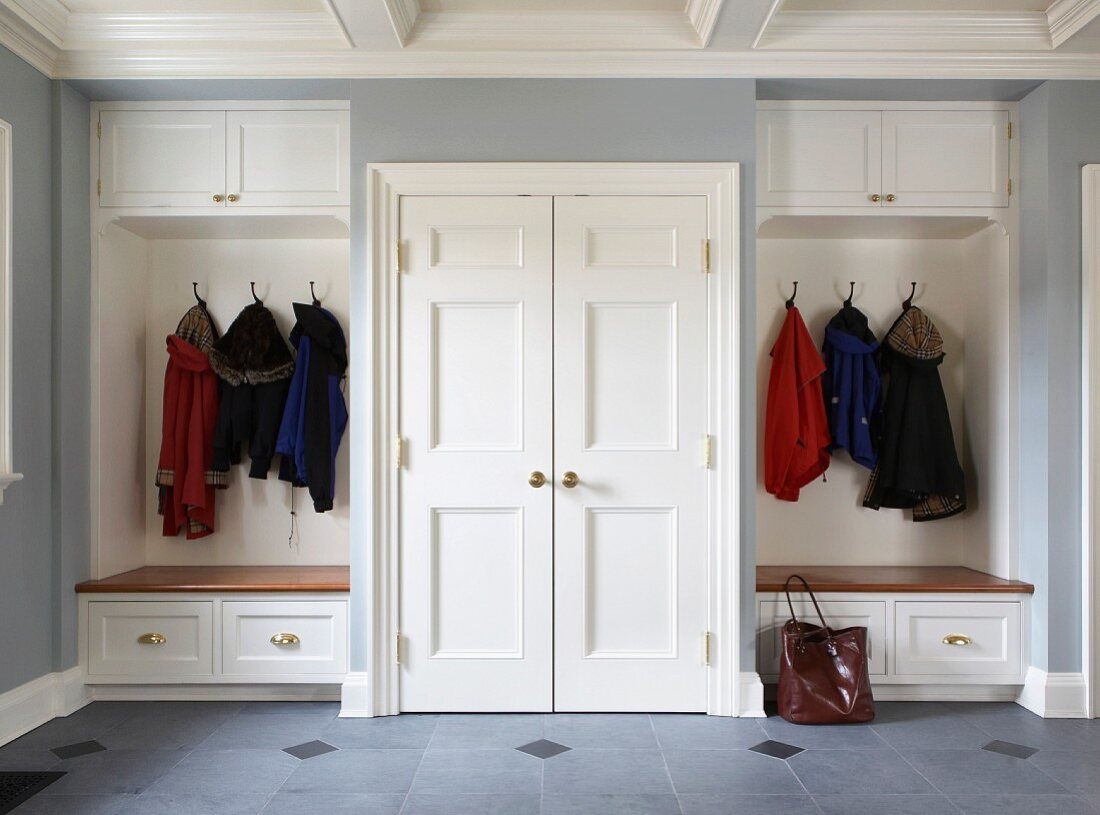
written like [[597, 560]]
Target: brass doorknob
[[876, 197], [218, 199], [536, 479], [152, 639], [232, 198], [957, 639], [569, 479], [891, 198]]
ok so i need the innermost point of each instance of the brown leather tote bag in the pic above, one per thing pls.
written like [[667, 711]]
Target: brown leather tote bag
[[823, 673]]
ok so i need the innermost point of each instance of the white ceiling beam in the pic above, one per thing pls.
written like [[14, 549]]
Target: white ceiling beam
[[1066, 17], [403, 15]]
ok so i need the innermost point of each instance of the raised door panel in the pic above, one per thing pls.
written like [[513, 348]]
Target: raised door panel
[[630, 416], [946, 158], [288, 158], [820, 158], [162, 158], [958, 639], [476, 400], [839, 614], [155, 639], [284, 638]]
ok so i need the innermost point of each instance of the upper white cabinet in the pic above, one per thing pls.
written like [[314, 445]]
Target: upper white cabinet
[[946, 158], [218, 158], [161, 158], [882, 158], [819, 157]]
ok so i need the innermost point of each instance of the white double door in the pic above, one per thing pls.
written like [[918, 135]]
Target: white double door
[[553, 336]]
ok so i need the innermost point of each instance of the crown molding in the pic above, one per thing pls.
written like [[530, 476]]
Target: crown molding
[[727, 64], [27, 42], [909, 30], [1066, 17], [93, 31], [703, 16], [403, 15], [47, 17]]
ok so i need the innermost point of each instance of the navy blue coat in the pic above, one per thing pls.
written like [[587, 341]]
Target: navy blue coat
[[852, 386]]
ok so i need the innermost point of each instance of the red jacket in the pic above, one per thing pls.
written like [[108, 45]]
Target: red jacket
[[796, 431], [184, 470]]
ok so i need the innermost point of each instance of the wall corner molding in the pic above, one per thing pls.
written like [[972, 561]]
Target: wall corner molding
[[1053, 695], [750, 695], [34, 703], [355, 697]]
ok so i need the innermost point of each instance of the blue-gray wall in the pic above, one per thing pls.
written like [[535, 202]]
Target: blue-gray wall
[[1060, 132], [574, 120], [26, 529]]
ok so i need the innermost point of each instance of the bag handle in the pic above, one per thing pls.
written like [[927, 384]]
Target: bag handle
[[790, 605]]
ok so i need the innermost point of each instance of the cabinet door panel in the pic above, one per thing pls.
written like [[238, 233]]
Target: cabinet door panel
[[958, 639], [946, 158], [170, 639], [838, 614], [162, 158], [289, 158], [819, 157]]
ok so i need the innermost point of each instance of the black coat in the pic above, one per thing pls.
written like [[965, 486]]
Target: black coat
[[254, 365], [917, 463]]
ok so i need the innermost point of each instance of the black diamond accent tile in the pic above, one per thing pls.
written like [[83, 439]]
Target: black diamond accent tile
[[15, 788], [776, 749], [82, 748], [310, 749], [1007, 748], [543, 748]]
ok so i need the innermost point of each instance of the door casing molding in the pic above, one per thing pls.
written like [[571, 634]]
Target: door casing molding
[[1090, 437], [374, 393]]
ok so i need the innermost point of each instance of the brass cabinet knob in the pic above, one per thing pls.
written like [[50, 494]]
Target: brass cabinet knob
[[152, 638], [232, 198], [876, 197], [957, 639], [569, 479], [218, 199], [285, 639], [536, 479], [891, 198]]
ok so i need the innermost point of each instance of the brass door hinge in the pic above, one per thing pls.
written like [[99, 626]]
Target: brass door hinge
[[397, 255], [1010, 130], [706, 648], [398, 452], [1010, 186], [99, 187], [397, 648], [706, 256], [708, 451], [99, 130]]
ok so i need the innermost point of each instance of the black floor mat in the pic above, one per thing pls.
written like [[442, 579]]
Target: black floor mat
[[15, 788]]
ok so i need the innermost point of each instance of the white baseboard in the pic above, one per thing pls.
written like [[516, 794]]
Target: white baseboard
[[750, 695], [1054, 695], [33, 704], [355, 701], [938, 692], [215, 693]]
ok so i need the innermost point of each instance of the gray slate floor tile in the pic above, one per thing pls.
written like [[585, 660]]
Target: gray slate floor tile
[[338, 804], [472, 805], [748, 805], [77, 805], [926, 725], [228, 772], [979, 772], [696, 731], [90, 722], [1023, 805], [486, 730], [409, 730], [544, 748], [171, 731], [272, 732], [610, 805], [590, 770], [355, 771], [1008, 748], [27, 760], [882, 804], [195, 803], [491, 771], [776, 749], [629, 731], [325, 710], [81, 748], [309, 749], [114, 772], [835, 772], [823, 737], [1076, 771], [730, 771]]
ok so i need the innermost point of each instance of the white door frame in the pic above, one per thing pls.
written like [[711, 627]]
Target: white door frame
[[372, 689], [1090, 437]]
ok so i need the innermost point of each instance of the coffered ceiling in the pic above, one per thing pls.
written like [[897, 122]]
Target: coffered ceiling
[[350, 38]]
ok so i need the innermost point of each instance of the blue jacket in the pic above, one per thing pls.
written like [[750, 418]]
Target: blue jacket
[[315, 415], [851, 385]]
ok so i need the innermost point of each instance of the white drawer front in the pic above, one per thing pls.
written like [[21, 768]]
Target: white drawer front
[[314, 638], [870, 614], [992, 631], [150, 639]]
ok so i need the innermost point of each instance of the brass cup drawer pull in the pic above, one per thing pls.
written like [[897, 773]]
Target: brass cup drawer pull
[[152, 638], [286, 639], [957, 639]]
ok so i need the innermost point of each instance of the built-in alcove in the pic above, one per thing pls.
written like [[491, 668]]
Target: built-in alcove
[[145, 266], [962, 266]]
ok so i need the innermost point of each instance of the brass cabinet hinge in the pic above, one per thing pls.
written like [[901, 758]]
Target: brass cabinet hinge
[[1010, 130], [398, 452], [706, 256], [708, 451], [706, 648], [1010, 186], [99, 130], [397, 648]]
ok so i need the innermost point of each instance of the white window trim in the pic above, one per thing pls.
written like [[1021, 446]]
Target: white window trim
[[7, 474]]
